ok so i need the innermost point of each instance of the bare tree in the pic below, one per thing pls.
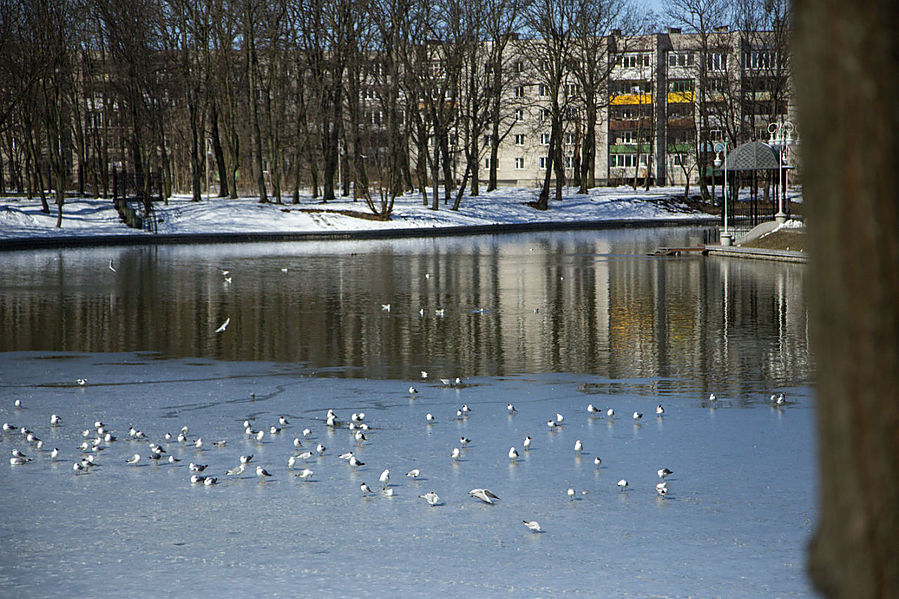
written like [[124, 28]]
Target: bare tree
[[845, 56]]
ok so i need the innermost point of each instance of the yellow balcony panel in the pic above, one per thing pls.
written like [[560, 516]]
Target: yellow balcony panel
[[680, 97], [623, 99]]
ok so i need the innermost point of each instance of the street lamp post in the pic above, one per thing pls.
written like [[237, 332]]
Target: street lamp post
[[726, 238], [781, 136]]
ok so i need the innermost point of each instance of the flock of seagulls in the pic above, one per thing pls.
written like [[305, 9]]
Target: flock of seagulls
[[99, 438]]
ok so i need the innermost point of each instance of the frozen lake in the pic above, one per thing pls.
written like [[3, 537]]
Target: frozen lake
[[612, 327]]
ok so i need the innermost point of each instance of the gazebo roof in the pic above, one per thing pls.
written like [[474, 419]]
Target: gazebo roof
[[752, 156]]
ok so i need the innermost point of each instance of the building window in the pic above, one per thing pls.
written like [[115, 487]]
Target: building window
[[519, 115], [759, 59], [519, 91], [545, 114], [680, 59], [519, 139], [716, 135], [676, 160], [572, 89], [717, 61], [632, 60], [543, 162], [487, 162], [626, 137], [569, 139], [622, 160], [544, 139], [542, 90], [569, 162], [519, 163], [519, 67], [680, 85]]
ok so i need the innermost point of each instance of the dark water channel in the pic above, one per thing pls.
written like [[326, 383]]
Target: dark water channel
[[590, 302]]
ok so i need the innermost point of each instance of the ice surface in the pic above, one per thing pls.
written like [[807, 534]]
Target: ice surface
[[735, 523]]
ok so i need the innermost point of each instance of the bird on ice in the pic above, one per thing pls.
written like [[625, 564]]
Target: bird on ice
[[306, 432], [638, 415], [9, 427], [291, 461], [662, 488], [551, 423], [283, 421], [485, 495], [712, 397], [199, 443], [578, 446], [465, 408], [274, 430], [197, 479], [533, 525], [384, 479], [196, 467], [412, 390], [591, 409], [78, 468], [17, 403], [262, 473], [210, 480], [54, 453], [414, 473], [320, 449], [133, 459], [173, 460], [237, 470], [464, 441], [354, 462], [559, 419], [431, 497], [597, 461], [660, 410], [664, 472], [510, 408], [571, 493], [527, 443], [55, 420], [297, 443], [224, 325], [513, 453], [454, 454], [610, 413], [622, 484], [17, 454], [345, 455], [81, 381], [246, 459], [430, 418], [18, 461], [366, 490], [305, 473]]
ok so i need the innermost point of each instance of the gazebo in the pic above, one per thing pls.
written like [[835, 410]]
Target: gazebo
[[751, 157]]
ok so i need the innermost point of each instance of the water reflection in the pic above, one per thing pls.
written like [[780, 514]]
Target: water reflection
[[582, 302]]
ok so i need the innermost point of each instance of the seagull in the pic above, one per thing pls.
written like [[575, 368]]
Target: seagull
[[551, 423], [610, 413], [559, 419], [225, 272], [513, 454], [385, 478], [220, 443], [664, 472], [305, 473], [430, 418], [55, 420], [346, 455], [18, 403], [260, 435], [111, 267], [274, 430], [196, 467], [283, 421], [196, 479], [412, 390], [360, 437], [173, 460], [306, 432], [320, 448], [291, 461], [638, 415], [662, 489], [780, 400], [510, 408], [431, 497], [237, 470], [454, 454], [712, 397], [465, 408], [578, 446], [305, 455], [533, 525], [134, 459], [527, 443], [592, 409], [366, 490], [153, 456], [246, 459], [622, 484], [199, 443], [210, 480], [54, 453], [570, 492], [414, 473], [387, 492], [9, 427], [355, 462], [597, 461], [18, 461], [261, 473], [297, 443], [464, 441], [224, 325], [18, 454], [77, 467], [484, 495], [659, 410], [283, 270], [424, 374]]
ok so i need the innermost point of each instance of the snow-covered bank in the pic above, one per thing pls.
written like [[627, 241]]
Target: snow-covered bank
[[22, 219]]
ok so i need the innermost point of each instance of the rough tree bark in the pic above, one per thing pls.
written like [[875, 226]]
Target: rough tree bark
[[846, 57]]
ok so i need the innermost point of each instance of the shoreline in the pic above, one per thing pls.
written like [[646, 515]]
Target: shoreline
[[144, 238]]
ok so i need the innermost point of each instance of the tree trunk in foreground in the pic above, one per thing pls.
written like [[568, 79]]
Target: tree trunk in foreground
[[850, 144]]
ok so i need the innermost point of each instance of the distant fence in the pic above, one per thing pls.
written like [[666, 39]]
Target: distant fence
[[133, 196]]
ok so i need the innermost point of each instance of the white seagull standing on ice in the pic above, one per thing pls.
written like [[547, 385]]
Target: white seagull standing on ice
[[597, 461], [484, 495], [533, 525], [511, 409], [414, 473], [237, 470], [513, 454], [559, 419], [133, 459], [431, 497], [430, 418], [305, 473], [385, 478], [366, 490], [224, 325], [454, 454], [610, 413], [578, 446], [592, 409], [622, 484], [664, 472], [660, 410], [261, 473], [55, 420], [527, 443], [638, 415]]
